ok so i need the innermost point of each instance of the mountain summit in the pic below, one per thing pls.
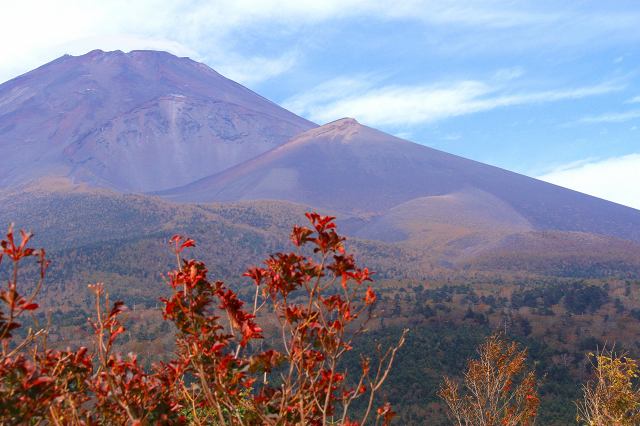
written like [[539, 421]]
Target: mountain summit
[[138, 121]]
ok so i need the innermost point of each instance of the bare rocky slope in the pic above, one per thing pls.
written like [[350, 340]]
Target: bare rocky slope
[[137, 121]]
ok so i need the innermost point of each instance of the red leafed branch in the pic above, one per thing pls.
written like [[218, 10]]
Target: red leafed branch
[[220, 373]]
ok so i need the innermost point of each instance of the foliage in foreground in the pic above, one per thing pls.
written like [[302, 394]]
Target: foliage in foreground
[[611, 397], [218, 375], [498, 390], [318, 301]]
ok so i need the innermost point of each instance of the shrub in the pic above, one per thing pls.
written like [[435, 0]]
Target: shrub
[[319, 300], [610, 397], [498, 390]]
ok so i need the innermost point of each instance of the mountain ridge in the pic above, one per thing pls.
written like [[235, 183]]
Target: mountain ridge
[[354, 169]]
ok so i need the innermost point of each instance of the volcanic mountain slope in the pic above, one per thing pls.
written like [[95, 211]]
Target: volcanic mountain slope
[[98, 235], [146, 121], [138, 121], [354, 169], [93, 234]]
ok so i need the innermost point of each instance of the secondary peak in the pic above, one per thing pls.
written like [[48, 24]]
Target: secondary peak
[[345, 121]]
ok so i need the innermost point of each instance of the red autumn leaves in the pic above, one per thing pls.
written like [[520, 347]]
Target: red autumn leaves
[[219, 373], [15, 303]]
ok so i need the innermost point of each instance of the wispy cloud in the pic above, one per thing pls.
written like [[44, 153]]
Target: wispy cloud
[[215, 31], [614, 179], [394, 105], [634, 100], [205, 31], [255, 69], [611, 117], [332, 90], [506, 74]]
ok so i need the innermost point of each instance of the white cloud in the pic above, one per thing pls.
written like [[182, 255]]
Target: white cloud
[[611, 117], [33, 31], [615, 179], [255, 69], [634, 100], [31, 36], [409, 105], [330, 91], [506, 74]]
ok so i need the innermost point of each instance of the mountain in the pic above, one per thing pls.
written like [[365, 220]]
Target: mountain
[[398, 185], [106, 123], [135, 122]]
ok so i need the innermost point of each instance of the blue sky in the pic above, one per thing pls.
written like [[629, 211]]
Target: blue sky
[[545, 88]]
